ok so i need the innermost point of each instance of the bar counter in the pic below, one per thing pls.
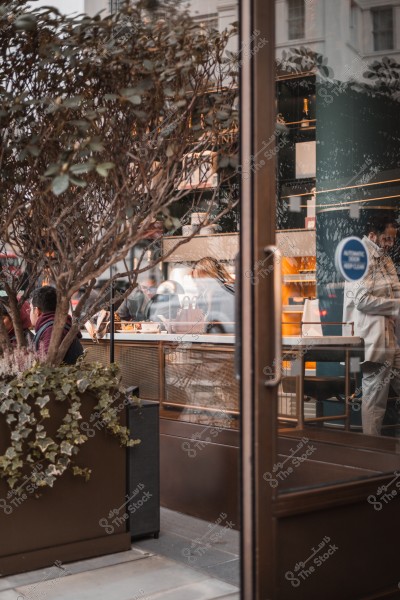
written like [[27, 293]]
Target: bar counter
[[191, 375], [193, 378], [182, 338]]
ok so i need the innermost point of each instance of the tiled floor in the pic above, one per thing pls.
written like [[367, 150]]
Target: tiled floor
[[167, 568], [209, 548]]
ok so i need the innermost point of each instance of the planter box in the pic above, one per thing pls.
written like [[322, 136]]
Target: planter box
[[63, 523]]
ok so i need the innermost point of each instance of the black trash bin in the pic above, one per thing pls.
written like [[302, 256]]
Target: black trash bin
[[143, 505]]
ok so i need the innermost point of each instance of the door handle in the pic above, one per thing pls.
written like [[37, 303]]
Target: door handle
[[277, 271]]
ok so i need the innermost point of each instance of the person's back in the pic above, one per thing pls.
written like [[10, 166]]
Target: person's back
[[43, 308]]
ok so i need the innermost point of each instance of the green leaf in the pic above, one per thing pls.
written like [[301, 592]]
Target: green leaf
[[66, 448], [103, 168], [83, 384], [34, 150], [78, 182], [80, 124], [60, 184], [73, 102], [44, 444], [41, 401], [25, 22], [52, 170], [132, 95], [96, 146], [82, 168], [10, 453], [135, 99]]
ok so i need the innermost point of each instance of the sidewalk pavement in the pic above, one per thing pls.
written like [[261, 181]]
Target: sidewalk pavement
[[138, 574]]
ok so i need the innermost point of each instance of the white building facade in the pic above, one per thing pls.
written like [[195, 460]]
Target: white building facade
[[353, 33]]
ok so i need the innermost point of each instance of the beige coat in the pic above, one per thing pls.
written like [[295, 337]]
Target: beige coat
[[373, 304]]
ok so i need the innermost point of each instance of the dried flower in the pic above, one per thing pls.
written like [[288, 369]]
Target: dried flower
[[15, 361]]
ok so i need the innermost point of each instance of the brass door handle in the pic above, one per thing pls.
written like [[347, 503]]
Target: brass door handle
[[277, 270]]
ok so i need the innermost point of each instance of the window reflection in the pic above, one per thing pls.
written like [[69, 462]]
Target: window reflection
[[337, 134]]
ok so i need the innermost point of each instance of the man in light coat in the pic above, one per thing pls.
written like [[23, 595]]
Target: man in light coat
[[373, 304]]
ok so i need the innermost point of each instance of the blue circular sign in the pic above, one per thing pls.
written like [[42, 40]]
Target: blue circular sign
[[352, 259]]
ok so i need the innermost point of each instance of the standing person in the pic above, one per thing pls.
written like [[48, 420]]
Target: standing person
[[216, 294], [373, 304], [43, 308]]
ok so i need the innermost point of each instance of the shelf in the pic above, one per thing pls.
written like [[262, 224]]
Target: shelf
[[292, 308], [293, 230], [297, 278]]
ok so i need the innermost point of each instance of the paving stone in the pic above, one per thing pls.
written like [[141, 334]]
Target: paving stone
[[203, 590], [5, 584], [186, 551], [152, 576], [228, 571], [75, 567], [10, 595], [176, 541], [192, 527], [152, 570]]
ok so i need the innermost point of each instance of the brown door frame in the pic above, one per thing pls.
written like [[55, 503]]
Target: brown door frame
[[257, 92]]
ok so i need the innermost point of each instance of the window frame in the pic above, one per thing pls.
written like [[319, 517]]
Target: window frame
[[114, 6], [293, 20], [377, 33]]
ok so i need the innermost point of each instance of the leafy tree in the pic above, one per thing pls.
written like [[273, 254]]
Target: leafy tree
[[97, 117]]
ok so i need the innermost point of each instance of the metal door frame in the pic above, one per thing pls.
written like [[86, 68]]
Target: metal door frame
[[258, 435]]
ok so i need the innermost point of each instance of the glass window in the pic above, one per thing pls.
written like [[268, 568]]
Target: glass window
[[337, 179], [296, 19], [382, 28], [115, 6], [353, 23]]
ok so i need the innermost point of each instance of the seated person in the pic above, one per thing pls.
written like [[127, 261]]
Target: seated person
[[150, 286], [25, 321], [165, 304], [133, 308], [43, 308], [216, 294]]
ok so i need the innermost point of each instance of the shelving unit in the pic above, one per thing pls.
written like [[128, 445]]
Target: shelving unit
[[296, 141]]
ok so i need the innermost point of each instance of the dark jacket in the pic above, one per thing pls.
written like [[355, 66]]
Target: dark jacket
[[43, 333], [134, 306]]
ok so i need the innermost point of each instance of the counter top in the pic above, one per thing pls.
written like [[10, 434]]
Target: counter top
[[226, 338], [182, 338], [323, 340]]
